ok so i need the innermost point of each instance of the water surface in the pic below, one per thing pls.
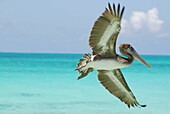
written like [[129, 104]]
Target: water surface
[[46, 84]]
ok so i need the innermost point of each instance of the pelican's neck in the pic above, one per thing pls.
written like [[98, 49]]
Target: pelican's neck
[[127, 60], [130, 58]]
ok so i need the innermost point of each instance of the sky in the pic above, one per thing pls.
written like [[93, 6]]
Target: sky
[[60, 26]]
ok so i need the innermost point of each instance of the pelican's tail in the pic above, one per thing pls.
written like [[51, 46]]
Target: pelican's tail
[[82, 66]]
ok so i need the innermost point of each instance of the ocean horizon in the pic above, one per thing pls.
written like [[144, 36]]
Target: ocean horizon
[[46, 83]]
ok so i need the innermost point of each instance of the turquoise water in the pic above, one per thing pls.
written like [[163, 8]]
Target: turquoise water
[[46, 84]]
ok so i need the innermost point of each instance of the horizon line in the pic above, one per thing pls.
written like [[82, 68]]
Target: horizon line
[[69, 53]]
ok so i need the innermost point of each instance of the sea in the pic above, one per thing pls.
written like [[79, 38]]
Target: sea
[[47, 84]]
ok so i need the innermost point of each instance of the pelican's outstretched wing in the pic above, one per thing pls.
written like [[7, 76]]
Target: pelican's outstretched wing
[[115, 83], [105, 31]]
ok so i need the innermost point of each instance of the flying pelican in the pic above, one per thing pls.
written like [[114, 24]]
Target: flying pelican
[[105, 59]]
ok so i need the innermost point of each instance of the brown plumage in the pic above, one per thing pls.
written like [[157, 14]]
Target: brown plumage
[[109, 19], [108, 79]]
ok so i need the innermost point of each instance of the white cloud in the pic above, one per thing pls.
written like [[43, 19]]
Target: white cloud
[[154, 23], [140, 20]]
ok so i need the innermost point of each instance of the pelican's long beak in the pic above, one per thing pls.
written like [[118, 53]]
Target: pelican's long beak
[[138, 57]]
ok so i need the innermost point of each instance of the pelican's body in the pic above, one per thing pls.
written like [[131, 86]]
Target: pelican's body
[[108, 63], [105, 60]]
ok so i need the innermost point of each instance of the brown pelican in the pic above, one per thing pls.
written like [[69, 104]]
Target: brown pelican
[[105, 60]]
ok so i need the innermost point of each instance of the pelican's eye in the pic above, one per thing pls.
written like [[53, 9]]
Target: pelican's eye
[[126, 46]]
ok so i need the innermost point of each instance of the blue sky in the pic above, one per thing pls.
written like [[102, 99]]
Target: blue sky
[[53, 26]]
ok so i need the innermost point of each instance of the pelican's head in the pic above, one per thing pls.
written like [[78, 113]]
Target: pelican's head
[[127, 49]]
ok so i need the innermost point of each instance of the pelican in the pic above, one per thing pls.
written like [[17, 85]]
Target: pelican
[[104, 58]]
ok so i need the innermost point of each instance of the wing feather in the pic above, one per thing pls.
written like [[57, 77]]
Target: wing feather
[[114, 8], [105, 31], [118, 9], [115, 83], [122, 13], [110, 8]]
